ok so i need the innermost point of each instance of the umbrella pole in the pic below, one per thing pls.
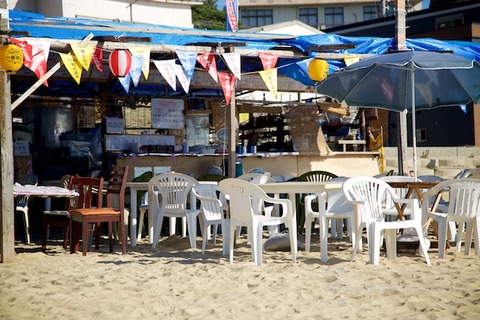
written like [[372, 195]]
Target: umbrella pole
[[414, 122]]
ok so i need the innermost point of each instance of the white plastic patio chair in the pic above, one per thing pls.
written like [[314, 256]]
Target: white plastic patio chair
[[167, 197], [367, 194], [463, 208], [243, 207], [331, 206], [21, 203], [211, 212]]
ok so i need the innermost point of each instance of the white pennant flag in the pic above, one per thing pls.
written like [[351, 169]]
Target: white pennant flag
[[182, 77], [233, 63], [144, 53], [136, 70], [165, 67], [40, 45]]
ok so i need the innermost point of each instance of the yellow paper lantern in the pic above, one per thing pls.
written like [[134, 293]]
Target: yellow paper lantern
[[317, 69], [11, 58]]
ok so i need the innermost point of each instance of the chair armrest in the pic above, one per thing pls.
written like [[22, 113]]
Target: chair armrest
[[319, 197]]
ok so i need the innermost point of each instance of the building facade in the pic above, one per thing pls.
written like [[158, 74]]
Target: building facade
[[319, 14], [161, 12]]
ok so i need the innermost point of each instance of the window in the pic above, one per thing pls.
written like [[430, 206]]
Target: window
[[370, 13], [421, 135], [308, 16], [333, 17], [449, 22], [256, 18]]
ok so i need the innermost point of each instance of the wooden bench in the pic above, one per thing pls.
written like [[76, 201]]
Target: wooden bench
[[352, 143]]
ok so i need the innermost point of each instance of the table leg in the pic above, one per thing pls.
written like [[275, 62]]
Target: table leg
[[133, 214], [292, 198]]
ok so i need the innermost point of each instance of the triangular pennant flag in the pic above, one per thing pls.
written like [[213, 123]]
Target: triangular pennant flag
[[144, 53], [233, 63], [166, 70], [269, 60], [207, 60], [40, 45], [39, 66], [125, 81], [84, 53], [188, 60], [97, 58], [27, 50], [350, 59], [270, 79], [227, 80], [136, 69], [73, 66], [182, 77]]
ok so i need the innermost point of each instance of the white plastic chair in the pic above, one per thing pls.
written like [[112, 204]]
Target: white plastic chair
[[463, 208], [331, 206], [167, 196], [21, 203], [211, 212], [244, 212], [367, 194]]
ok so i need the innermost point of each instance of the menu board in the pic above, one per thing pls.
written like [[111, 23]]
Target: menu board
[[116, 142], [168, 114]]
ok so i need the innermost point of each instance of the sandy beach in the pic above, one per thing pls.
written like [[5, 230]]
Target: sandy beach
[[177, 282]]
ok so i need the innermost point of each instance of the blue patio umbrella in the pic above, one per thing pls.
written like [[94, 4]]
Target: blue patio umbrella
[[410, 80]]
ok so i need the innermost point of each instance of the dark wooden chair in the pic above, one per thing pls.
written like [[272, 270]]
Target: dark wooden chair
[[87, 189], [114, 212]]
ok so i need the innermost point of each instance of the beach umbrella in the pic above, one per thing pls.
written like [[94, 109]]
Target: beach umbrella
[[409, 80]]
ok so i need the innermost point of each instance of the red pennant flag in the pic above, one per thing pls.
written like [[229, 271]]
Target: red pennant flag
[[269, 60], [207, 60], [97, 57], [227, 80], [27, 51]]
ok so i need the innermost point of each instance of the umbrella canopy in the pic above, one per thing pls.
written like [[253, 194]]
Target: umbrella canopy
[[412, 80]]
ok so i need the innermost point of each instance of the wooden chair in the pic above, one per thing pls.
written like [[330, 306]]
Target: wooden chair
[[113, 212], [88, 196]]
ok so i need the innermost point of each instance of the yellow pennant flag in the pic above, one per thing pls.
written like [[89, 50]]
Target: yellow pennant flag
[[84, 53], [73, 66], [142, 52], [351, 59], [270, 78]]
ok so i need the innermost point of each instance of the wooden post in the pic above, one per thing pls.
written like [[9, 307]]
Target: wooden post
[[7, 235]]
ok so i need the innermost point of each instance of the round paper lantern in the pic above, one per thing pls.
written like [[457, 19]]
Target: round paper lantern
[[120, 62], [317, 69], [11, 58]]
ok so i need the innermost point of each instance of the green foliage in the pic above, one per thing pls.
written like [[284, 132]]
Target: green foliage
[[207, 16]]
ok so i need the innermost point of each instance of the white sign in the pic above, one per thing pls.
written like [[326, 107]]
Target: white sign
[[167, 113], [115, 125], [21, 148]]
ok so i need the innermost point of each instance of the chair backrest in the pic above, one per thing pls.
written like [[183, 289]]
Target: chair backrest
[[87, 189], [242, 196], [400, 192], [210, 204], [430, 178], [211, 177], [250, 176], [174, 188], [317, 175], [463, 196], [31, 179], [116, 188], [368, 193]]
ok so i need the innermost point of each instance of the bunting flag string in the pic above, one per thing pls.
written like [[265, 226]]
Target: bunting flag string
[[73, 66], [207, 60], [187, 60], [97, 58], [144, 53], [136, 70], [125, 81], [182, 77], [270, 79], [233, 62], [84, 53], [33, 59], [269, 60], [165, 67], [227, 81]]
